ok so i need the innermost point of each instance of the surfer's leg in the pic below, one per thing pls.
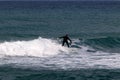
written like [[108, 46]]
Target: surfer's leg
[[63, 43], [67, 43]]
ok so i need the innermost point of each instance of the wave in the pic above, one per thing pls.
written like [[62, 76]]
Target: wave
[[43, 47], [40, 47], [44, 53], [104, 43]]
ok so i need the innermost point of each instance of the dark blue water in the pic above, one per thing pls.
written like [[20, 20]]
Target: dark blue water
[[30, 48], [51, 19], [84, 74]]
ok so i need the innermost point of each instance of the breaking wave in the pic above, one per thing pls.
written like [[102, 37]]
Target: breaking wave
[[43, 53], [40, 47]]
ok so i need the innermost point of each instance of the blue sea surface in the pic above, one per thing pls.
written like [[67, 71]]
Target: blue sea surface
[[30, 48], [51, 19]]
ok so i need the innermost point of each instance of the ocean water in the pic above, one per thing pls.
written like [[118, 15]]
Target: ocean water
[[31, 50]]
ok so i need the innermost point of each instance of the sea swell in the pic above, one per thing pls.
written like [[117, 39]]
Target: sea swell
[[104, 43]]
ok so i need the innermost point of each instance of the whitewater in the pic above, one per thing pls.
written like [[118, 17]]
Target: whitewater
[[44, 53]]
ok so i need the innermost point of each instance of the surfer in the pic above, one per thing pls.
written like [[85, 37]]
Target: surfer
[[65, 40]]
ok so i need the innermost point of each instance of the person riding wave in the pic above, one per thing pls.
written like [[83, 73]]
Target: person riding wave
[[65, 40]]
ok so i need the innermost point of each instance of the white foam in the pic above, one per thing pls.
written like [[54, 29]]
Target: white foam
[[40, 47], [51, 55]]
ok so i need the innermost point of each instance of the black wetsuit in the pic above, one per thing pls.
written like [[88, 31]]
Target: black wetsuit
[[65, 40]]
